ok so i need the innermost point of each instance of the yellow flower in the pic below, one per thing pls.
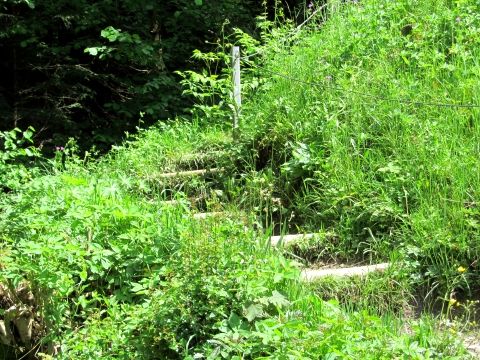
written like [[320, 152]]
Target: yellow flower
[[452, 301], [461, 269]]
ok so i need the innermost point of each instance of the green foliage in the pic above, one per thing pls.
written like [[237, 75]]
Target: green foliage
[[117, 273], [211, 87], [87, 71], [16, 158], [379, 174]]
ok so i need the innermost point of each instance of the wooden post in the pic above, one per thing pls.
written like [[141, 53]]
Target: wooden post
[[237, 90]]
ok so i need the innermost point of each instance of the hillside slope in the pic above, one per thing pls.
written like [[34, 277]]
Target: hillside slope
[[371, 125], [110, 259]]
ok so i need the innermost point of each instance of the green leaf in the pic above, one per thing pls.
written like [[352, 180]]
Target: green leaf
[[234, 321], [92, 51], [138, 288], [277, 278], [110, 33], [391, 167], [253, 311], [82, 301], [106, 264], [30, 4], [278, 299], [83, 274], [199, 2], [27, 134]]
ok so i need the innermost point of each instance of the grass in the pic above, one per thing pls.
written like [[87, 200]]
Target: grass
[[116, 273], [381, 175]]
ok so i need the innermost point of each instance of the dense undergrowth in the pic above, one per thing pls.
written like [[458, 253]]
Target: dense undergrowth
[[358, 128], [117, 274], [104, 268]]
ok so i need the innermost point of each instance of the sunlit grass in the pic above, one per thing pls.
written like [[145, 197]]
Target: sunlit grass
[[364, 152], [120, 274]]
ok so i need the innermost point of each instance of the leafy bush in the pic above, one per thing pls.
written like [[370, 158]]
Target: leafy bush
[[16, 158]]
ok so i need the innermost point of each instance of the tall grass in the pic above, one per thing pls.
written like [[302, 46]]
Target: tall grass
[[350, 120], [117, 274]]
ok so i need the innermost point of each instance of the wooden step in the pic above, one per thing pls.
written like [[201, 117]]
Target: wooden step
[[188, 173], [194, 201], [285, 239], [212, 155], [315, 274]]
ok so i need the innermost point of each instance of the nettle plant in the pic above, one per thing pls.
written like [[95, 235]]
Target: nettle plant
[[16, 158], [211, 87]]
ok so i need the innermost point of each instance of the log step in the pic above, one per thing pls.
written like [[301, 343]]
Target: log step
[[187, 173], [315, 274], [212, 155], [285, 239]]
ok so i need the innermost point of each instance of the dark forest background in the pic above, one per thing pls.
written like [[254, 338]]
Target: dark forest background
[[49, 80]]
